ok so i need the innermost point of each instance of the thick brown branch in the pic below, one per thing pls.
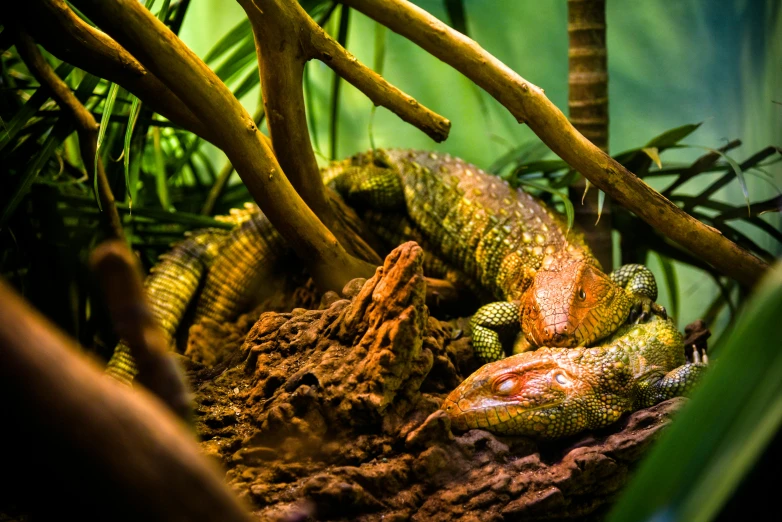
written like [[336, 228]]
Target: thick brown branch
[[86, 126], [278, 27], [67, 37], [225, 173], [162, 53], [134, 458], [529, 104], [121, 279], [281, 66]]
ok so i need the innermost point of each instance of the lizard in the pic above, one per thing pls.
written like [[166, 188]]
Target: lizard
[[504, 240], [546, 282], [556, 392]]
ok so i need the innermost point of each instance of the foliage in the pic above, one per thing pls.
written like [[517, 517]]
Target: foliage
[[161, 176], [722, 432]]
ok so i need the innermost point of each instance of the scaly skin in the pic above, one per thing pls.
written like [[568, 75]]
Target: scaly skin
[[170, 286], [506, 241], [555, 392], [477, 230]]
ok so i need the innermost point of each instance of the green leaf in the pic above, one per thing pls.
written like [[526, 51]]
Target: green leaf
[[163, 13], [30, 108], [108, 107], [342, 38], [671, 283], [61, 130], [601, 199], [672, 137], [654, 155], [736, 170], [456, 15], [714, 441], [247, 84], [529, 151], [569, 211], [241, 31], [310, 109], [135, 108], [238, 60], [378, 65], [161, 180]]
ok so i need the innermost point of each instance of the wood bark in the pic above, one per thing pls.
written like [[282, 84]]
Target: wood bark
[[588, 108]]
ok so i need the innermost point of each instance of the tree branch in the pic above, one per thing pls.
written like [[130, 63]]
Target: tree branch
[[70, 39], [86, 126], [286, 38], [162, 53], [132, 455], [528, 104], [121, 279]]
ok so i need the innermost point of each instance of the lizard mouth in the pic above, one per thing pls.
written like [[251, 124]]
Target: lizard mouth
[[489, 416]]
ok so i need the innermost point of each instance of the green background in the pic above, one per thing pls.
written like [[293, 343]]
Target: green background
[[670, 63]]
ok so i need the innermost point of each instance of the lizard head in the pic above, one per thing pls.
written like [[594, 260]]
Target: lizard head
[[571, 302], [531, 394]]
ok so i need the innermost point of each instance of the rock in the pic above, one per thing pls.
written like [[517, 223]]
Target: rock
[[338, 419]]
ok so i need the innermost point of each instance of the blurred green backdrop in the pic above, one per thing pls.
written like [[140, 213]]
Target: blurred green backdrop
[[670, 63]]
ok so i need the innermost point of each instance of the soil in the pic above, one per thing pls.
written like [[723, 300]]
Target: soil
[[332, 414]]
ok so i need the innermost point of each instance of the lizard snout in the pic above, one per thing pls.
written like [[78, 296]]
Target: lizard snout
[[556, 333]]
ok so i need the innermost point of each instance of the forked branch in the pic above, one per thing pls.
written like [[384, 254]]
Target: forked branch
[[530, 105], [286, 38], [162, 53]]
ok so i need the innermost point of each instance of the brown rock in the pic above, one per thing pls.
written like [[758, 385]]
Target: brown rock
[[333, 414]]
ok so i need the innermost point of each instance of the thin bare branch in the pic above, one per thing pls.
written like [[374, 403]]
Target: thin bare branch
[[86, 126], [529, 104], [374, 86], [70, 39]]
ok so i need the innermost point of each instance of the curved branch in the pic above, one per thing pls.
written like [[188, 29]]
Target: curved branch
[[159, 50], [70, 39], [134, 457], [528, 104], [86, 126], [374, 86], [285, 38]]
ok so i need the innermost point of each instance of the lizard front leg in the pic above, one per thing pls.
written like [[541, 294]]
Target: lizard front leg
[[639, 281], [490, 325], [676, 383]]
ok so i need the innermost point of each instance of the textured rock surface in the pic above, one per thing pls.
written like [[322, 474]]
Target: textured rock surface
[[333, 414]]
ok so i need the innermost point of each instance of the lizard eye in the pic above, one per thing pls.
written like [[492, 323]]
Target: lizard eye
[[506, 385], [561, 379], [582, 294]]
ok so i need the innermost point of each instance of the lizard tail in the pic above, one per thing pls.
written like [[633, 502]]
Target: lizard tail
[[170, 287], [232, 282]]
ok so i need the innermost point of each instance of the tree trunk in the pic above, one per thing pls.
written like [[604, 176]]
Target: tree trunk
[[588, 106]]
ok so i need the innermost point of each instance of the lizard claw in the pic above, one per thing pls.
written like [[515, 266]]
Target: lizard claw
[[643, 309], [699, 355]]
